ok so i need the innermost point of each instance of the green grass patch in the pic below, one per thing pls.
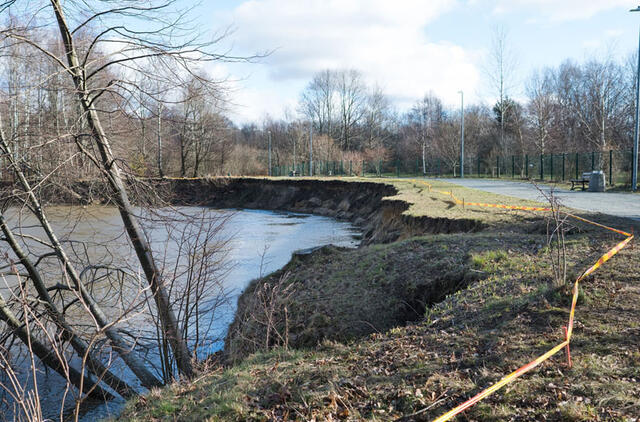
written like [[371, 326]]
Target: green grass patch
[[488, 308]]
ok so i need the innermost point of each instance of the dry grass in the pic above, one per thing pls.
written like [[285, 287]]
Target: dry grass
[[464, 343]]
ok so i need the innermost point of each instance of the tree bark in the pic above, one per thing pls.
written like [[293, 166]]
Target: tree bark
[[79, 345], [167, 317], [45, 354], [133, 362]]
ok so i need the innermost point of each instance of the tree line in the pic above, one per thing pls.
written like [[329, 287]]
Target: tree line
[[178, 125], [574, 107]]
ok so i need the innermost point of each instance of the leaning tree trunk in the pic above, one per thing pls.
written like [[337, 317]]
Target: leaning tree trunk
[[166, 315], [47, 356], [68, 333], [131, 359]]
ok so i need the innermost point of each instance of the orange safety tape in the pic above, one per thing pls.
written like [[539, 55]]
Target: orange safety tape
[[604, 258], [526, 368], [598, 224], [495, 387], [568, 330]]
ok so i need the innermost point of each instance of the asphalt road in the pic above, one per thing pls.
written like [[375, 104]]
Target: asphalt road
[[613, 203]]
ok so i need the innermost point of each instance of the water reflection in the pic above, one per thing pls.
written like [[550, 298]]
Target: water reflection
[[258, 242]]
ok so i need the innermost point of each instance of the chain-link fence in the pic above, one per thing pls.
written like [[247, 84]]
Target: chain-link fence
[[543, 167]]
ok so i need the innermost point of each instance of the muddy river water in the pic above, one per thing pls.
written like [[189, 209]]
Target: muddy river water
[[257, 242]]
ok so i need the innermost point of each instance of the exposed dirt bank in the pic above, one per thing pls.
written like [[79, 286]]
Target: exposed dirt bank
[[493, 324], [344, 294], [367, 205], [371, 206], [333, 293]]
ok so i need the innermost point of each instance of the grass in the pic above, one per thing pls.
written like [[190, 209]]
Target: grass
[[506, 314]]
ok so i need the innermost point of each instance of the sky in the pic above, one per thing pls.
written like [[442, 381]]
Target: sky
[[406, 47]]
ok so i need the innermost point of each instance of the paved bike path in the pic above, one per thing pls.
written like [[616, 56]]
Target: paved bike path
[[612, 203]]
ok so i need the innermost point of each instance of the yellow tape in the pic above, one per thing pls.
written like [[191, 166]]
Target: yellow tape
[[540, 359], [526, 368], [504, 381]]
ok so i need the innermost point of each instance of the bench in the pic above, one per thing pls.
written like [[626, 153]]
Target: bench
[[586, 178]]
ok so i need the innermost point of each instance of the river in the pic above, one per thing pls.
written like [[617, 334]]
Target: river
[[255, 243]]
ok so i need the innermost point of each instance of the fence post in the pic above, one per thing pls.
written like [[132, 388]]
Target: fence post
[[364, 164], [526, 165], [551, 167], [577, 163], [593, 160], [498, 166], [610, 167], [350, 168], [563, 159], [513, 166], [541, 167], [380, 168]]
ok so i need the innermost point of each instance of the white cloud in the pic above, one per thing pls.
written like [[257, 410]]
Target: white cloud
[[561, 10], [606, 41], [387, 40]]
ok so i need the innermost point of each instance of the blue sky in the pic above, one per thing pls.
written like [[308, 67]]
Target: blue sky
[[407, 47]]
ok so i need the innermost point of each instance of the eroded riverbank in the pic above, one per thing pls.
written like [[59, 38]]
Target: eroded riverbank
[[371, 206], [504, 310]]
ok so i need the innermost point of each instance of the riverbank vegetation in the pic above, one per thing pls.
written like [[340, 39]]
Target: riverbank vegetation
[[352, 355], [114, 93]]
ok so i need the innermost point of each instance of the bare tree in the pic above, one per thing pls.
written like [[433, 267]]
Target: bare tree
[[501, 73], [542, 108], [351, 99], [377, 118], [425, 119], [318, 101]]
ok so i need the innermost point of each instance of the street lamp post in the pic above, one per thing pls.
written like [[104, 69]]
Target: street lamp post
[[269, 132], [634, 168], [311, 148], [461, 134]]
